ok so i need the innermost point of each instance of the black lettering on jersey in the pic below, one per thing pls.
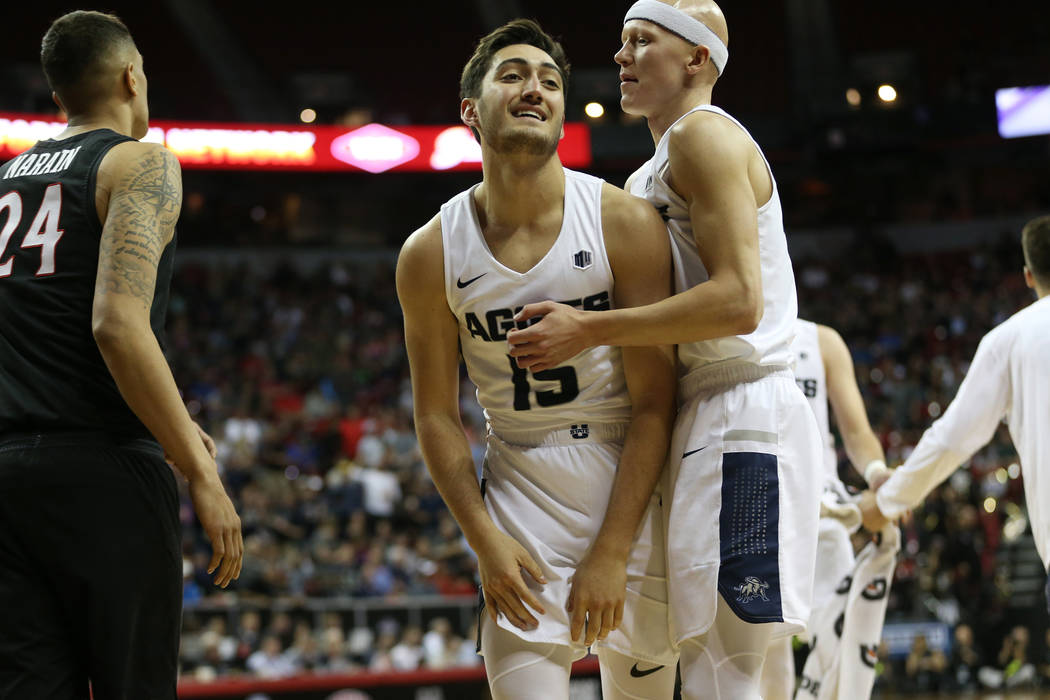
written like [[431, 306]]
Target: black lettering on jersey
[[474, 326], [499, 322], [844, 585], [597, 302], [662, 209], [810, 685], [808, 387]]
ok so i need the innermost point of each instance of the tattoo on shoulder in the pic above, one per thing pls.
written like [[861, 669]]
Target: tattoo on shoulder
[[142, 213]]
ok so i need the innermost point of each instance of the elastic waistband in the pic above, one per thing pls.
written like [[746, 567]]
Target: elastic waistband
[[573, 435], [716, 378], [22, 441]]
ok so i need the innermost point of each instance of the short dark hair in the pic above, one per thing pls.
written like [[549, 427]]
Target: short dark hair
[[1035, 241], [519, 31], [75, 44]]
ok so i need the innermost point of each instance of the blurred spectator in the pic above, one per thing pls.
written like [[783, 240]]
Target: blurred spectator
[[1018, 670], [440, 645], [965, 660], [407, 655], [924, 668], [270, 661]]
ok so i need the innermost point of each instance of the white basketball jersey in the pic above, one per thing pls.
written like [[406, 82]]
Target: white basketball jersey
[[484, 295], [769, 344], [812, 380]]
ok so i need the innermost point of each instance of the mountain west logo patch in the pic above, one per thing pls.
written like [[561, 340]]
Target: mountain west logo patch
[[582, 260], [750, 589], [580, 431]]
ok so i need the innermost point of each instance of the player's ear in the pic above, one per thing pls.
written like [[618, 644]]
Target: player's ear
[[128, 77], [1029, 278], [468, 112], [698, 58]]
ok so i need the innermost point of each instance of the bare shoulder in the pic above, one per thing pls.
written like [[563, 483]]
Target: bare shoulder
[[625, 216], [833, 348], [148, 172], [706, 142], [423, 242], [421, 260], [828, 337], [134, 159]]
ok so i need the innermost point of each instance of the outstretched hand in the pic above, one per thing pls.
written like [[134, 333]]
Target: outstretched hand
[[559, 336]]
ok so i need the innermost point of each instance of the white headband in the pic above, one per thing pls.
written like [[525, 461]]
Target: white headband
[[677, 22]]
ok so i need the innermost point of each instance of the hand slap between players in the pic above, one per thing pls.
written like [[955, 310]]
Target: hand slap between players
[[559, 336], [500, 563]]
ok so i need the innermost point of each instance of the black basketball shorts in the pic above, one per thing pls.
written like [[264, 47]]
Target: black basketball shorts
[[90, 569]]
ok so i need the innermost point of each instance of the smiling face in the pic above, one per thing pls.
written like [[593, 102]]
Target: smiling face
[[652, 64], [521, 108]]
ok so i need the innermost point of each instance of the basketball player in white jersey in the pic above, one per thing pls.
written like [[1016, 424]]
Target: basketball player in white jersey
[[825, 374], [1007, 380], [744, 478], [565, 524]]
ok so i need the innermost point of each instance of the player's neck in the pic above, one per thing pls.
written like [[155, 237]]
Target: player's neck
[[510, 195], [660, 120], [105, 117]]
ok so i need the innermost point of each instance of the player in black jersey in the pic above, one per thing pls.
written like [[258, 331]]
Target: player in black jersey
[[90, 559]]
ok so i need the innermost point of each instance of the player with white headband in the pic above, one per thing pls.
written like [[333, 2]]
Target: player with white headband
[[745, 466]]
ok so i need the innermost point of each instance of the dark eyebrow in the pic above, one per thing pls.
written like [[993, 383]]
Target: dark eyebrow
[[523, 62]]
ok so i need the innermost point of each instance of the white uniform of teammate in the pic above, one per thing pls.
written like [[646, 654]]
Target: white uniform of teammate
[[1006, 380], [745, 456], [555, 437], [838, 516], [849, 592]]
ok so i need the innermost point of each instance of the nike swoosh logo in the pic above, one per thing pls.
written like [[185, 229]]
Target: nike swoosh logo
[[635, 673], [461, 284], [693, 452]]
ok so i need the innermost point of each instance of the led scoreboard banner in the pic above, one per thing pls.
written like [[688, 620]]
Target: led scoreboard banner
[[372, 148]]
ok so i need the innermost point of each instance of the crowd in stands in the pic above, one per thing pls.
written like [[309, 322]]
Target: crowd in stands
[[300, 375]]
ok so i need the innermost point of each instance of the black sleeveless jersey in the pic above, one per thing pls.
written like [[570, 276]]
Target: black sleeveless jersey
[[52, 376]]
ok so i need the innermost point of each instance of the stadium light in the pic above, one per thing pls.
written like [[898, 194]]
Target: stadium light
[[887, 93], [307, 116], [594, 110]]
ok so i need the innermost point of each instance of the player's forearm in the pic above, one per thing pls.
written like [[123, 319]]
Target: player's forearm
[[641, 464], [448, 458], [862, 448], [928, 465], [712, 309], [142, 375]]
